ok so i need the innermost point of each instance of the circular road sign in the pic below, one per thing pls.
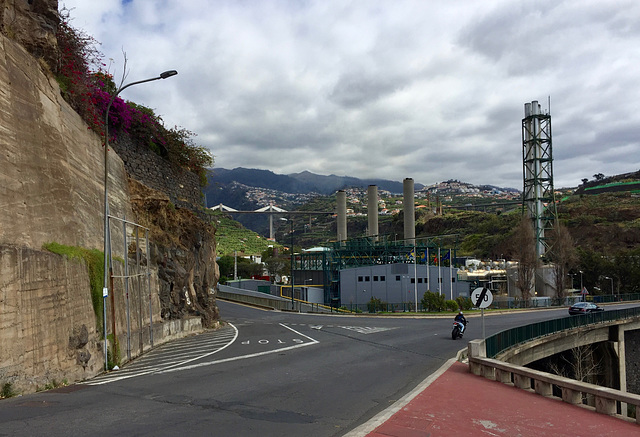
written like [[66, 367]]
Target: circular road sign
[[481, 297]]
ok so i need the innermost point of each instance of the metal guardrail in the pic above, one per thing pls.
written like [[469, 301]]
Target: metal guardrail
[[511, 337], [269, 301]]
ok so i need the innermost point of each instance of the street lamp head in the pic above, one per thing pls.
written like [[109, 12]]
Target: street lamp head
[[168, 73]]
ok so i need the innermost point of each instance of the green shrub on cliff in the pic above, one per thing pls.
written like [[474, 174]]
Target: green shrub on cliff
[[7, 391], [94, 259], [89, 89]]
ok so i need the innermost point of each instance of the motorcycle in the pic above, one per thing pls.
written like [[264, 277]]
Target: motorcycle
[[458, 329]]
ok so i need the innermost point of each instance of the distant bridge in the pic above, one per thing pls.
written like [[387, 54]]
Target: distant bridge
[[271, 210]]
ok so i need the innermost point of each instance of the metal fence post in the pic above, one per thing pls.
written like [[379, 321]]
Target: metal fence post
[[146, 233], [126, 285]]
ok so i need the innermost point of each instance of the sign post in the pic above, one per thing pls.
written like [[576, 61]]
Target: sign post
[[481, 298], [584, 293]]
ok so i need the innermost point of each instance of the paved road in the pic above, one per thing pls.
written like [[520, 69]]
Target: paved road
[[267, 373]]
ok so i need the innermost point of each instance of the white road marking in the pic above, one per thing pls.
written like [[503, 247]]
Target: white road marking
[[173, 366], [131, 373], [365, 329], [257, 354]]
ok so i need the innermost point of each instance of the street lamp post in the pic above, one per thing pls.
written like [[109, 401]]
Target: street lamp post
[[107, 267], [581, 286], [607, 277]]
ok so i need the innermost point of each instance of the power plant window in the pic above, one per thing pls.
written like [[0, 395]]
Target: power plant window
[[360, 278]]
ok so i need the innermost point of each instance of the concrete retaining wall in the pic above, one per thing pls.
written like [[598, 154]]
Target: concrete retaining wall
[[49, 332]]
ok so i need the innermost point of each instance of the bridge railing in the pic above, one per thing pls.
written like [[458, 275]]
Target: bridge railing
[[605, 400], [511, 337]]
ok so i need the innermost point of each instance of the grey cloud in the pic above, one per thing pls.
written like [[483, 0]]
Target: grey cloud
[[428, 90], [357, 89]]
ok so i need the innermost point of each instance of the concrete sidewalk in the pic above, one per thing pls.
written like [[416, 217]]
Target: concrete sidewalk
[[455, 402]]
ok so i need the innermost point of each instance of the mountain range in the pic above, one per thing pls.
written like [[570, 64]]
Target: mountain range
[[297, 183], [249, 189]]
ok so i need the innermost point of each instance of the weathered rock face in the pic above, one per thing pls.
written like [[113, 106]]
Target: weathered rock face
[[184, 251], [32, 24], [181, 186], [51, 166], [48, 330]]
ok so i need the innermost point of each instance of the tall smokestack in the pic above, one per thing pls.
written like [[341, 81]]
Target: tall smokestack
[[409, 211], [342, 215], [372, 211]]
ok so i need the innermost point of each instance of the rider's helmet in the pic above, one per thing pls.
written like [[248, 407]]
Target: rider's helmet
[[460, 313]]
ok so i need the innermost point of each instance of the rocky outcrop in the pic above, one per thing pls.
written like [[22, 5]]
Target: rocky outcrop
[[32, 24], [184, 251]]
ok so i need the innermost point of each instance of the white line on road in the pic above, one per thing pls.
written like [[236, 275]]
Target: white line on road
[[258, 354], [112, 378], [182, 365]]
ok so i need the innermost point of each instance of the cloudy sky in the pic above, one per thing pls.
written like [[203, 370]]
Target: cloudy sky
[[431, 90]]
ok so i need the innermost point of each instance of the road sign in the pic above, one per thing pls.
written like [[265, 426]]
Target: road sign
[[481, 297]]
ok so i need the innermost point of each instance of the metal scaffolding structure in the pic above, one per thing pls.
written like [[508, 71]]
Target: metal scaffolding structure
[[364, 251], [538, 195]]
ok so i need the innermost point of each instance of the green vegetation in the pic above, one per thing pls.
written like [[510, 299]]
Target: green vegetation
[[232, 236], [376, 305], [94, 260], [433, 302], [55, 384], [7, 391], [113, 353], [89, 90]]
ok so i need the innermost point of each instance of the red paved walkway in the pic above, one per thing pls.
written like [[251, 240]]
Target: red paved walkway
[[459, 403]]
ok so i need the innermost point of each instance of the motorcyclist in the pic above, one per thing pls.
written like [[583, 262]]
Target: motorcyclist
[[460, 318]]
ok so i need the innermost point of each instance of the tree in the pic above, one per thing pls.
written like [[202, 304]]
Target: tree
[[598, 176], [433, 301], [562, 255], [225, 265], [524, 242], [276, 265], [249, 269], [580, 363]]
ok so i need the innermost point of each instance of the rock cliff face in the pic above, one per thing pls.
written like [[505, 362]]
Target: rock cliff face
[[52, 190], [184, 251], [32, 24]]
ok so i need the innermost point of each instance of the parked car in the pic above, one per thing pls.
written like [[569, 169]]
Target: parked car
[[584, 308]]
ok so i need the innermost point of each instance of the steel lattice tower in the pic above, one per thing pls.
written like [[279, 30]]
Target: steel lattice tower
[[538, 196]]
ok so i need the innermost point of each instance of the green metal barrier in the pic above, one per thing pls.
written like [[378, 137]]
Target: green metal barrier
[[510, 337]]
